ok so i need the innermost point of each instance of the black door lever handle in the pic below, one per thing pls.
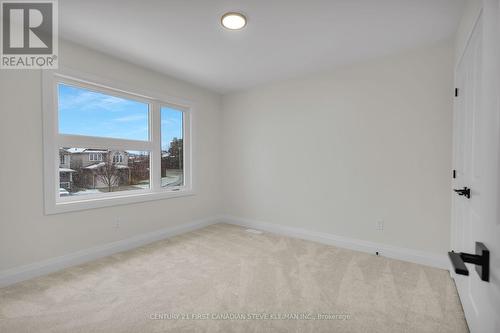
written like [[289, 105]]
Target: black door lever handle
[[481, 259], [464, 191]]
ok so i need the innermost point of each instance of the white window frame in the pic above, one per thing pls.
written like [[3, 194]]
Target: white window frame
[[53, 140]]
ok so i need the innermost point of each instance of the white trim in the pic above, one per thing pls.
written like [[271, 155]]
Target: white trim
[[389, 251], [66, 140], [461, 52], [21, 273], [25, 272], [155, 168], [117, 199], [117, 86], [53, 141]]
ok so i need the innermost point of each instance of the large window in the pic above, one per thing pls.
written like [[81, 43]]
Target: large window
[[112, 146]]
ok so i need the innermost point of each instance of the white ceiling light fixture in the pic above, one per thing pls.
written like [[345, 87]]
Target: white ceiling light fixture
[[233, 21]]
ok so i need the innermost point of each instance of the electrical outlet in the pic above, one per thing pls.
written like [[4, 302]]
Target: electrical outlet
[[380, 225]]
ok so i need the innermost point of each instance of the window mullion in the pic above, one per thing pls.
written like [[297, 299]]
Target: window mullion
[[64, 140], [155, 126]]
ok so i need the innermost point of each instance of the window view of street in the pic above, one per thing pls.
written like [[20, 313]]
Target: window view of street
[[89, 171]]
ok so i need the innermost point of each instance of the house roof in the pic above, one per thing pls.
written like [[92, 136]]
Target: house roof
[[96, 151], [85, 150], [95, 166], [76, 150], [99, 165]]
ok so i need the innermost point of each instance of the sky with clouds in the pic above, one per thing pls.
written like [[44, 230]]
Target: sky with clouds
[[85, 112]]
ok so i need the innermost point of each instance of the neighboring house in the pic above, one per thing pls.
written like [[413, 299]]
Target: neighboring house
[[84, 167], [65, 171]]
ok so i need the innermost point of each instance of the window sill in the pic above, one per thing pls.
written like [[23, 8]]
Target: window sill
[[92, 203]]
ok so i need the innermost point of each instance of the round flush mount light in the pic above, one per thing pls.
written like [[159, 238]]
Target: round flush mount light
[[233, 21]]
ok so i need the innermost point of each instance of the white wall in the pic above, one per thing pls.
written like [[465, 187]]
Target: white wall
[[26, 234], [337, 151]]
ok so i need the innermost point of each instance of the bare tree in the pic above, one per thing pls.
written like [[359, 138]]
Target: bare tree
[[139, 168], [108, 173], [174, 155]]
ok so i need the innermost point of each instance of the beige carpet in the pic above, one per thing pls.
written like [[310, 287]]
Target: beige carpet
[[236, 281]]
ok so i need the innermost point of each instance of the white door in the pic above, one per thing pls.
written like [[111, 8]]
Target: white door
[[475, 161]]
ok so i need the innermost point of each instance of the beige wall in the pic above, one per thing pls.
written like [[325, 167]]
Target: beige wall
[[336, 152], [26, 234]]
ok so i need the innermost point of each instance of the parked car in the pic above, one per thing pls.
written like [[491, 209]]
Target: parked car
[[63, 192]]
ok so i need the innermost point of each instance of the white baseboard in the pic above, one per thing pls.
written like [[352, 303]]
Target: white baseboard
[[25, 272], [21, 273], [414, 256]]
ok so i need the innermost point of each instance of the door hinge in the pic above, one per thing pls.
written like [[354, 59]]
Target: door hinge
[[456, 92], [454, 173]]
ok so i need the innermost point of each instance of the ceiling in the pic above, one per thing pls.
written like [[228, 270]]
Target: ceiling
[[283, 38]]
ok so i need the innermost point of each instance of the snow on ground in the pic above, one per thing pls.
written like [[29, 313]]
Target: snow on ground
[[171, 179], [86, 192]]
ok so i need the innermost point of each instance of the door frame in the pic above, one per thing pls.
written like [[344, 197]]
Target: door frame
[[458, 60], [489, 12]]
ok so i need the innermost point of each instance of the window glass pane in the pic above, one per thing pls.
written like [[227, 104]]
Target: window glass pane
[[172, 147], [85, 112], [84, 171]]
